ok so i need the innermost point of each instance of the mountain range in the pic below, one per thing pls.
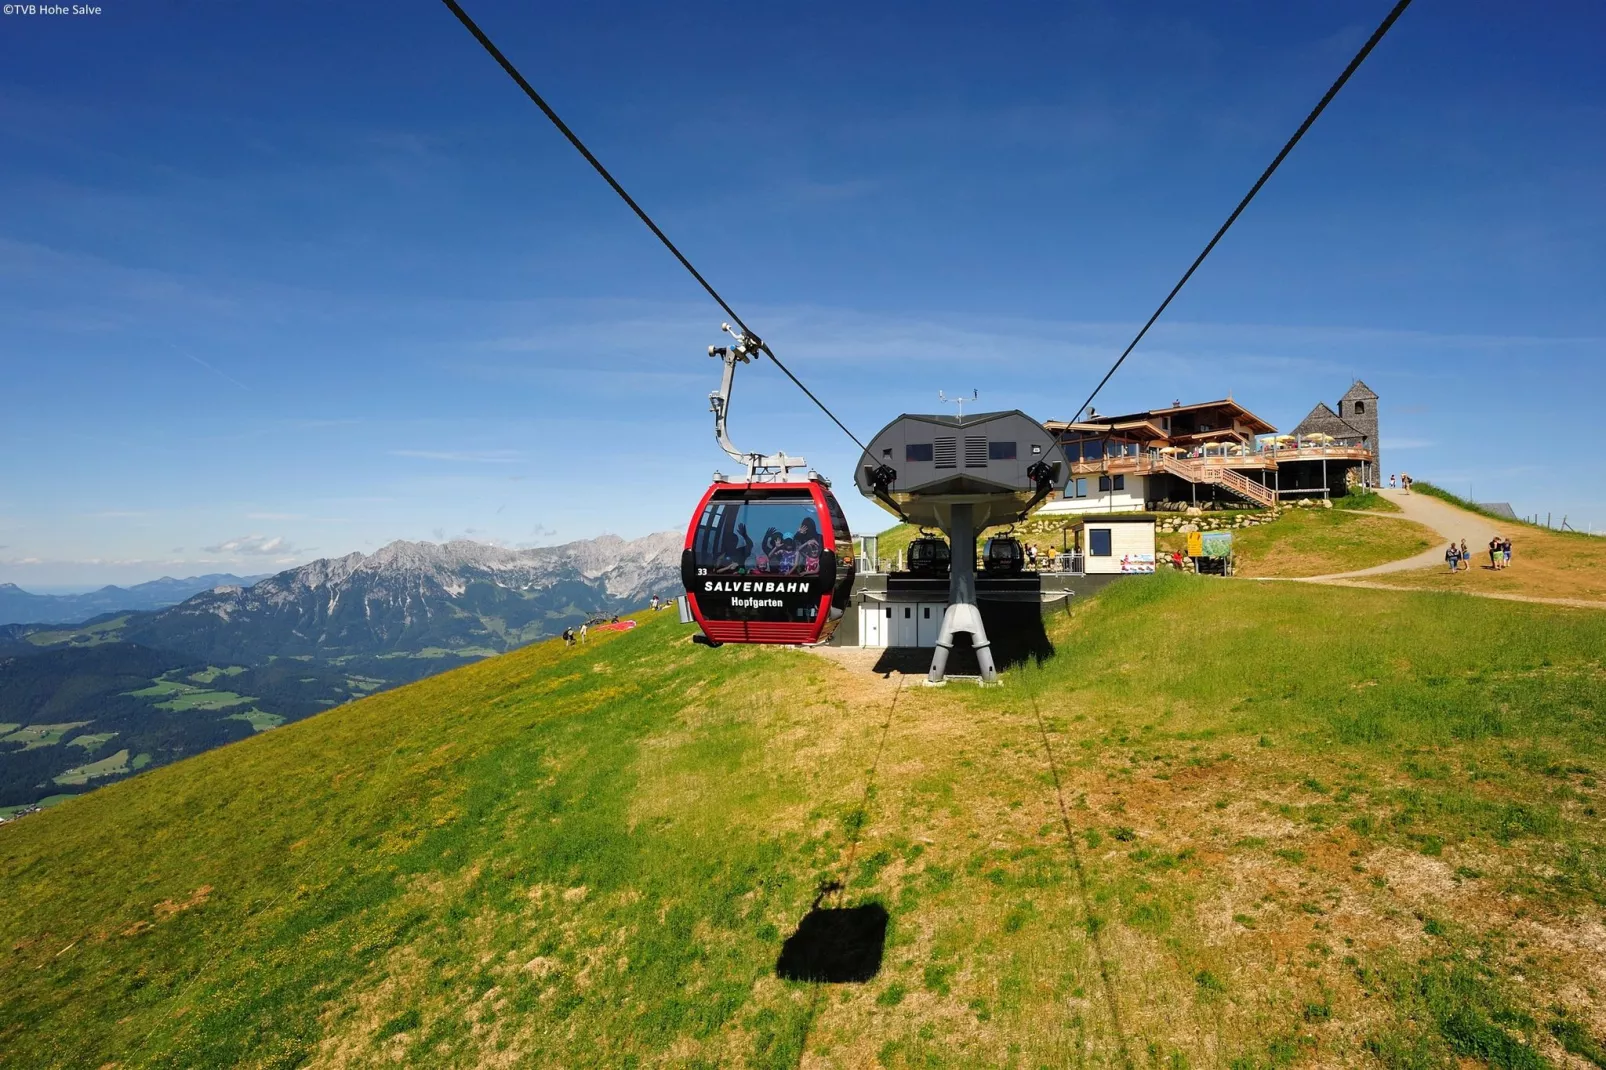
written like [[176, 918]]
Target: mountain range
[[18, 606], [85, 704]]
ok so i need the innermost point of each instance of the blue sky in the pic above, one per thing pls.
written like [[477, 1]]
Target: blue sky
[[292, 280]]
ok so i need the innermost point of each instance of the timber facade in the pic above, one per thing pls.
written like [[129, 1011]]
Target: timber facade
[[1215, 452]]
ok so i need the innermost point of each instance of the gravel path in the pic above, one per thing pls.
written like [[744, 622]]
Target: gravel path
[[1451, 524], [1436, 515]]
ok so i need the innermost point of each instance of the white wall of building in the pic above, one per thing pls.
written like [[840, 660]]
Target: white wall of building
[[1131, 547], [883, 624], [1129, 500]]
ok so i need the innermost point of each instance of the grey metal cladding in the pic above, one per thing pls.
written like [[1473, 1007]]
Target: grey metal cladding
[[960, 449]]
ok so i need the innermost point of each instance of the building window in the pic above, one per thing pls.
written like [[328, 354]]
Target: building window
[[1098, 542], [1120, 482], [1000, 451], [917, 451], [1360, 407], [1081, 488], [1104, 484]]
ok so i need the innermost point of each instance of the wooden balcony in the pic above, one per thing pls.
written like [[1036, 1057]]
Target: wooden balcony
[[1152, 462]]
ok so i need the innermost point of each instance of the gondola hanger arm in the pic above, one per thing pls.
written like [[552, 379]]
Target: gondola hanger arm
[[743, 348]]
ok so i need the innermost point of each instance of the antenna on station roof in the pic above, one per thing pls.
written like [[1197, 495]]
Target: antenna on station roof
[[960, 400]]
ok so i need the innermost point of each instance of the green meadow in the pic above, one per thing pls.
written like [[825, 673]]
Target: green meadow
[[1225, 825]]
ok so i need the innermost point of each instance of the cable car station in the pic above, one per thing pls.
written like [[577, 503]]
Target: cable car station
[[961, 474]]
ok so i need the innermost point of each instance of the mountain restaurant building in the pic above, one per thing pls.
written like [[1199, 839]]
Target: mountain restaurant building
[[1214, 451]]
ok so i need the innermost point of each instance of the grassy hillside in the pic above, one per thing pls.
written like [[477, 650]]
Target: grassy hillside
[[1316, 542], [1226, 825]]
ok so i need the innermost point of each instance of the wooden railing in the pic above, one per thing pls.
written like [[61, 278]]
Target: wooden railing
[[1241, 485], [1264, 459]]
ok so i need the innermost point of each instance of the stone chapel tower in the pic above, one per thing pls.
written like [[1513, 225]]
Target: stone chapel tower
[[1358, 408]]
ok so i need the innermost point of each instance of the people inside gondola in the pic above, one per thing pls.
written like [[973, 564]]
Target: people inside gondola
[[785, 558], [807, 544], [734, 552], [768, 547]]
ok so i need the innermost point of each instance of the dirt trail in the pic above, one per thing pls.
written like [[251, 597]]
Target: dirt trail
[[1451, 524]]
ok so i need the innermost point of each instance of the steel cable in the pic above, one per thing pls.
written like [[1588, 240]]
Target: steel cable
[[1354, 64], [574, 139]]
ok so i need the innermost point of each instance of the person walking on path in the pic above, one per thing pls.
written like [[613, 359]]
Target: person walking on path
[[568, 637], [1494, 552], [1405, 481], [1391, 481], [583, 629], [1466, 557], [1452, 556], [1505, 552]]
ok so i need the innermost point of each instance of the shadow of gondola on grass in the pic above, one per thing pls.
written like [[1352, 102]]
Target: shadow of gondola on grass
[[835, 945]]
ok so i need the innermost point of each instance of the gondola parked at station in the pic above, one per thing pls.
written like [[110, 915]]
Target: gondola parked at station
[[928, 555], [1003, 556]]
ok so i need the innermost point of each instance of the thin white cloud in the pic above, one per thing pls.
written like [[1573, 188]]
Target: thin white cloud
[[215, 371], [253, 544]]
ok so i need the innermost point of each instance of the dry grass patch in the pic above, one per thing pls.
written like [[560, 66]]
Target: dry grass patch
[[1544, 564]]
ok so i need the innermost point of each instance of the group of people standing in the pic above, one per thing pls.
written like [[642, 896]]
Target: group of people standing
[[1404, 481], [571, 636], [1459, 558]]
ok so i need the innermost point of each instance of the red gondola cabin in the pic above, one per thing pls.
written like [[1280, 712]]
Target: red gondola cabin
[[768, 563]]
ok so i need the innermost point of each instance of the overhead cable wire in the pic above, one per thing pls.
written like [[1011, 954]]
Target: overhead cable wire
[[596, 164], [1327, 98]]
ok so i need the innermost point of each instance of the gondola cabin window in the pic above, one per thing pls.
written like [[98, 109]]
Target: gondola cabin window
[[768, 538]]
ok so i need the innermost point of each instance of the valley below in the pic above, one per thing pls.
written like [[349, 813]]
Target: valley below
[[82, 705]]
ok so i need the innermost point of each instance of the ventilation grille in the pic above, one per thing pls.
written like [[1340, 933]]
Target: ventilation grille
[[947, 452], [975, 451]]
